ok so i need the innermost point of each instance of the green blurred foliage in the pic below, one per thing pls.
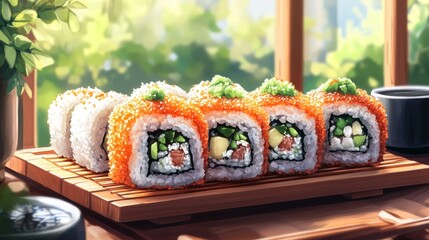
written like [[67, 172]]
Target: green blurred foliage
[[122, 44], [358, 53]]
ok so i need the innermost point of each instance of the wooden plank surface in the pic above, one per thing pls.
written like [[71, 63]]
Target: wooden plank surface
[[395, 42], [289, 51], [121, 203]]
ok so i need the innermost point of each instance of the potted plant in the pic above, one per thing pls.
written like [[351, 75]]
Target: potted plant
[[19, 56]]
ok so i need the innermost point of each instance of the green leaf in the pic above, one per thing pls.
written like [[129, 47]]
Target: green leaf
[[14, 3], [6, 12], [41, 4], [4, 38], [73, 22], [13, 81], [10, 54], [62, 14], [48, 16], [28, 59], [20, 64], [42, 61], [2, 58], [25, 17], [59, 3], [77, 5], [28, 90], [22, 42]]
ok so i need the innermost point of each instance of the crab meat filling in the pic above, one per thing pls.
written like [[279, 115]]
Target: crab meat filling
[[286, 142], [347, 133], [229, 147], [169, 153]]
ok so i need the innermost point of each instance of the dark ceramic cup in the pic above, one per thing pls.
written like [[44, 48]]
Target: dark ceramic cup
[[407, 109]]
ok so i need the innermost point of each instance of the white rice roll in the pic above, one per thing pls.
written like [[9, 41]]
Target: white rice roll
[[88, 127], [59, 116]]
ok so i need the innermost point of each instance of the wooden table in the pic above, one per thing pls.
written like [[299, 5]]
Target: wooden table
[[267, 221]]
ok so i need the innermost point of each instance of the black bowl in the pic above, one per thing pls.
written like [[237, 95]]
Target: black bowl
[[407, 109], [38, 217]]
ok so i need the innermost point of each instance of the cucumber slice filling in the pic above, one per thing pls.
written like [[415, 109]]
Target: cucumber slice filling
[[169, 153], [229, 147], [286, 142]]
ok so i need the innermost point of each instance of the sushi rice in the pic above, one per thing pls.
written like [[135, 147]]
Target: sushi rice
[[88, 129], [59, 117]]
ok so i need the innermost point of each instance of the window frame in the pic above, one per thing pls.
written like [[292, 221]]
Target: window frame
[[288, 62]]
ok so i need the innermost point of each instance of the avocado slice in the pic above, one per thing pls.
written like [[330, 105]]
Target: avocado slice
[[154, 150], [282, 129], [293, 131], [243, 137], [225, 131], [162, 147], [162, 139], [169, 135], [341, 123], [359, 140], [338, 132], [233, 144], [180, 139]]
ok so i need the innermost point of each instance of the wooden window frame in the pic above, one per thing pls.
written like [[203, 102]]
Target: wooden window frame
[[289, 49]]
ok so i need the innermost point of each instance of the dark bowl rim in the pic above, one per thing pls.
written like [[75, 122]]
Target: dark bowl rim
[[378, 92]]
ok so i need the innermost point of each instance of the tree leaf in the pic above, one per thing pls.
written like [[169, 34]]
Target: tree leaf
[[59, 3], [10, 55], [25, 17], [6, 31], [4, 38], [22, 42], [48, 16], [20, 64], [28, 90], [13, 81], [42, 61], [14, 3], [73, 22], [6, 12], [62, 14], [2, 58], [28, 59], [77, 5]]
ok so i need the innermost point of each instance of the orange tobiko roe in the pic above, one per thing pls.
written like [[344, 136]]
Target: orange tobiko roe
[[361, 98], [207, 103], [304, 103], [125, 115]]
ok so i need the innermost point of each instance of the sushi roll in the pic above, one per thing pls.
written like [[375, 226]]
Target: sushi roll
[[237, 129], [297, 129], [88, 128], [59, 116], [157, 140], [356, 124], [167, 88]]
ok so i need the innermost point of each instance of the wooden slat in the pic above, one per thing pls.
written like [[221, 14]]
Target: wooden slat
[[289, 41], [122, 203], [29, 114], [395, 43]]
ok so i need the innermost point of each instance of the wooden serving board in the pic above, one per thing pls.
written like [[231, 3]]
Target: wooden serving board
[[120, 203]]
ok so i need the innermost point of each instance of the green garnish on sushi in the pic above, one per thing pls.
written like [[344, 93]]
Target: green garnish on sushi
[[223, 87], [274, 86], [342, 85], [155, 95]]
